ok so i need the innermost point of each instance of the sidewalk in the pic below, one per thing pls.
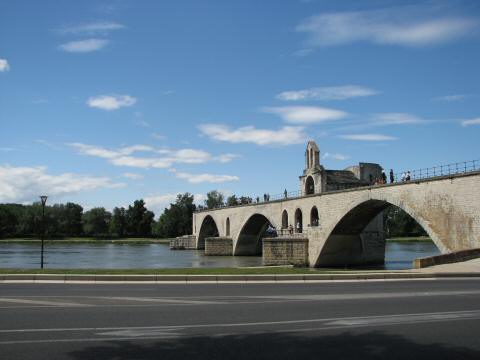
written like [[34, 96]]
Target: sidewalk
[[469, 266]]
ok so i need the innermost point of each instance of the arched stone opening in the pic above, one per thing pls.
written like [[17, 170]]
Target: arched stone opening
[[284, 219], [208, 229], [359, 237], [250, 238], [314, 216], [298, 221], [227, 227], [309, 186]]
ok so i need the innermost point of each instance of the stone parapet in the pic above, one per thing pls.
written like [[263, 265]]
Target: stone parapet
[[285, 251], [453, 257], [186, 242], [218, 246]]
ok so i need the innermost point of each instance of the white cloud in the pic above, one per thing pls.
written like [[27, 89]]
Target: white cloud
[[471, 122], [451, 98], [158, 136], [111, 102], [327, 93], [202, 178], [286, 135], [406, 26], [158, 203], [305, 114], [168, 157], [4, 66], [84, 46], [339, 157], [396, 119], [132, 176], [224, 158], [26, 184], [103, 27], [368, 137], [303, 52]]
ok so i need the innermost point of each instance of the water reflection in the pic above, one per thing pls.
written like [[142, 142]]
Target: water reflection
[[123, 256]]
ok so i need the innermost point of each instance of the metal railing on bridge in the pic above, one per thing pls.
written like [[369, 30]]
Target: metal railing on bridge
[[441, 170], [405, 176]]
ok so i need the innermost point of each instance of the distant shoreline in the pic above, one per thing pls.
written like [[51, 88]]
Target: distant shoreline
[[86, 241]]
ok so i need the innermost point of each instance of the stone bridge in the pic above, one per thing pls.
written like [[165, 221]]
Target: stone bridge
[[345, 226]]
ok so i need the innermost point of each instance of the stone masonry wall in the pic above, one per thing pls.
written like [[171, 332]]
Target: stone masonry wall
[[218, 246], [186, 242], [285, 251]]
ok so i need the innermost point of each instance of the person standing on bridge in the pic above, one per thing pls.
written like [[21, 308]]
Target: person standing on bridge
[[384, 177], [285, 193], [392, 178]]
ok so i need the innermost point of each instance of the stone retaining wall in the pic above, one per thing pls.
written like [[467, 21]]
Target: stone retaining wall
[[186, 242], [453, 257], [218, 246], [285, 251]]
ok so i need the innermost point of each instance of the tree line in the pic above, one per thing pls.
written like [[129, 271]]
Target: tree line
[[70, 219]]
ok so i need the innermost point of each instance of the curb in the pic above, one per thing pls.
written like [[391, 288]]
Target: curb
[[184, 279]]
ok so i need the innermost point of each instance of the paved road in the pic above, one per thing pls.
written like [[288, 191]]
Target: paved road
[[437, 319]]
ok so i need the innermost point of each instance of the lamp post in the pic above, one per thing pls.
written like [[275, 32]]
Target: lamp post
[[43, 198]]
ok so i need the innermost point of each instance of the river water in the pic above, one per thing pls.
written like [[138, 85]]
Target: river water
[[398, 255]]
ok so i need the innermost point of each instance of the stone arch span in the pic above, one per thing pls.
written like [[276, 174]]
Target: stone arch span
[[207, 229], [249, 240], [357, 238]]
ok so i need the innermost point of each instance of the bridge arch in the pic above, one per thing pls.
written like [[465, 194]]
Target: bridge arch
[[249, 240], [309, 186], [207, 229], [285, 219], [227, 227], [314, 219], [349, 241], [298, 221]]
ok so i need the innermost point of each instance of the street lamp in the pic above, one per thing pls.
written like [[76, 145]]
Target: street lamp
[[43, 198]]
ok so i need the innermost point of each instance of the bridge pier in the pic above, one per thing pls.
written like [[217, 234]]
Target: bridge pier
[[285, 250], [218, 246]]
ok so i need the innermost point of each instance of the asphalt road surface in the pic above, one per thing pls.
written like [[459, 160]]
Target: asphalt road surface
[[416, 319]]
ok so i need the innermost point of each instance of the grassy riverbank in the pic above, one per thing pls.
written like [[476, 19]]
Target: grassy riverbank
[[86, 240], [410, 239], [269, 270]]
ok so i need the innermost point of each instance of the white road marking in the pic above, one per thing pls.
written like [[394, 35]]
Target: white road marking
[[162, 332], [161, 300], [448, 315], [39, 302], [360, 296]]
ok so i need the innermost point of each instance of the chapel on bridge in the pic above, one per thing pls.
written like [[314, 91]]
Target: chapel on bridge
[[316, 179]]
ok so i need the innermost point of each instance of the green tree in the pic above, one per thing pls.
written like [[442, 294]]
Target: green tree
[[96, 221], [177, 219], [139, 219], [214, 199], [71, 219], [118, 224], [232, 200], [398, 223], [8, 221]]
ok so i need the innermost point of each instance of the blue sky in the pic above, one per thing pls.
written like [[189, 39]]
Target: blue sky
[[102, 103]]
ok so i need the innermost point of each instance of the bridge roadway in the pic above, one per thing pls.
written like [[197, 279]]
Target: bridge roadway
[[420, 319]]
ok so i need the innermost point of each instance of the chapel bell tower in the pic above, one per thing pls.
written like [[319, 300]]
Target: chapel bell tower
[[311, 180]]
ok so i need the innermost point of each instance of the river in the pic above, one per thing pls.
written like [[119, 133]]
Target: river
[[398, 255]]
